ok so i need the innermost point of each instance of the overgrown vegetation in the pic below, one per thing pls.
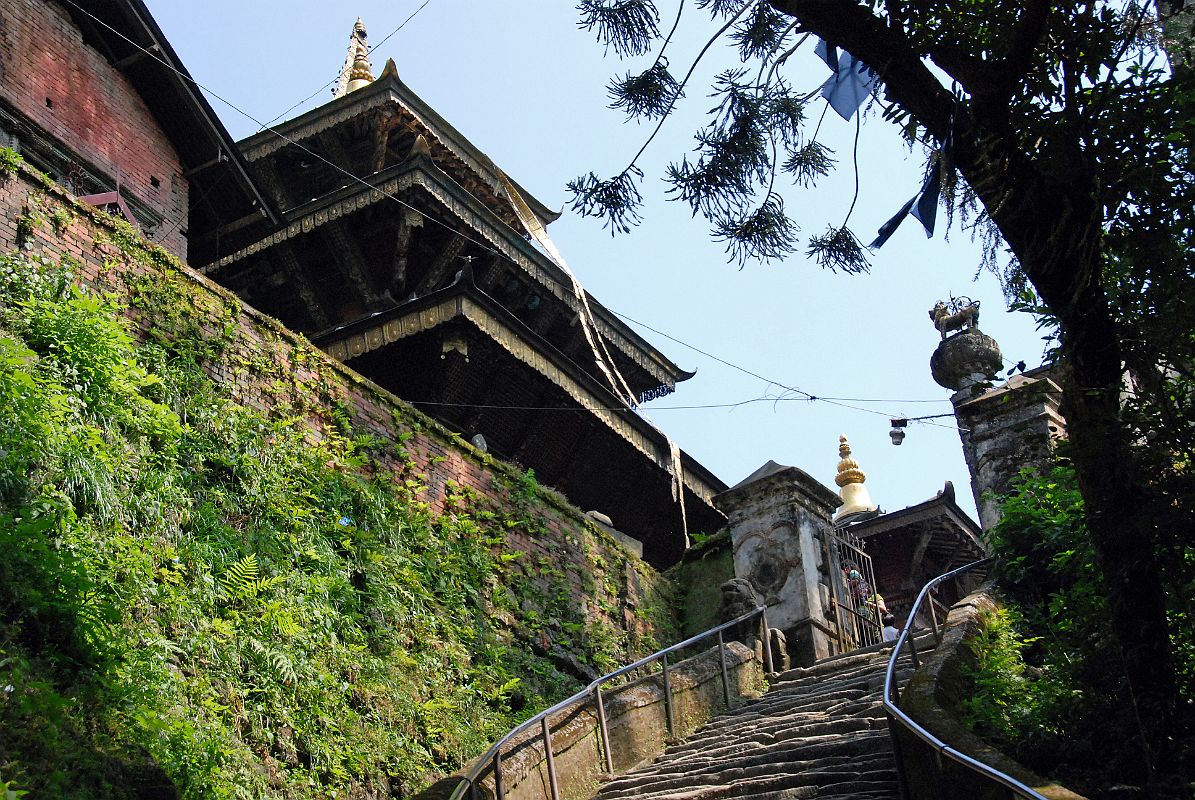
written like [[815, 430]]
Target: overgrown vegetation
[[199, 597], [1049, 684]]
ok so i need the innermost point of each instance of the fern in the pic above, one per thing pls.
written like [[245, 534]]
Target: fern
[[241, 578], [275, 660], [243, 581]]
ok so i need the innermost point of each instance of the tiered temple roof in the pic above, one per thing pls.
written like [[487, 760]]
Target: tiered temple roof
[[401, 252]]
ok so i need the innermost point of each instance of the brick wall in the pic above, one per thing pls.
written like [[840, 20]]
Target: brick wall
[[74, 95], [271, 369]]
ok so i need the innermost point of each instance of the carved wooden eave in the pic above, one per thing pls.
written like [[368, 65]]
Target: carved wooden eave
[[463, 301], [421, 173], [388, 94], [942, 529]]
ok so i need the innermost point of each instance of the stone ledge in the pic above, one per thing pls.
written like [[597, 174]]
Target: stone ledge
[[932, 692]]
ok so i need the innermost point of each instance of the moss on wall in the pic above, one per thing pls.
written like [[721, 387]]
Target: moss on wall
[[234, 568], [698, 578]]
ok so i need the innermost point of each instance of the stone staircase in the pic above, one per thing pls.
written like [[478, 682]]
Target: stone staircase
[[819, 732]]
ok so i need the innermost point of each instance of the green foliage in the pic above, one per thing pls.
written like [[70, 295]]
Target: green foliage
[[10, 161], [616, 199], [628, 26], [998, 701], [648, 95], [1050, 685], [198, 595]]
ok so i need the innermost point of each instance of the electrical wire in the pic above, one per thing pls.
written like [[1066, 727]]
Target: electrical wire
[[485, 246], [838, 401], [581, 409]]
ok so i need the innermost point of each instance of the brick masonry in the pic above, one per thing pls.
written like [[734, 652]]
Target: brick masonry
[[69, 90], [276, 371]]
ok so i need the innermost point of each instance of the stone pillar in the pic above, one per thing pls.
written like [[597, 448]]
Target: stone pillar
[[1003, 428], [779, 521]]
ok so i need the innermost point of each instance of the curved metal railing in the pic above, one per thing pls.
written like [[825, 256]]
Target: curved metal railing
[[892, 692], [492, 758]]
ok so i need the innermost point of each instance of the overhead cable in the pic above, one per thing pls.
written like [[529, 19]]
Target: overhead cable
[[485, 246]]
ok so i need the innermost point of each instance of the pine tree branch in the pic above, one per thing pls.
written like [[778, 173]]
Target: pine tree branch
[[854, 28]]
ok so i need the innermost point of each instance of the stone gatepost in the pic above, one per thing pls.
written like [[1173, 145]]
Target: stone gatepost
[[780, 523], [1003, 428]]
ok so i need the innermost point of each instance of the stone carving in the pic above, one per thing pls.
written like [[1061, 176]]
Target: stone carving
[[966, 359], [739, 597], [960, 313], [779, 644]]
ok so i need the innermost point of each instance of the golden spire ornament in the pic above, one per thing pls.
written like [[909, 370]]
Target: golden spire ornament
[[855, 497], [357, 71]]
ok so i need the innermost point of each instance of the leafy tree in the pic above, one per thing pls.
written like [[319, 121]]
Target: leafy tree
[[1057, 596], [1070, 133]]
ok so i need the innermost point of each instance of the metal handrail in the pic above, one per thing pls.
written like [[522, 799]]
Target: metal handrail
[[892, 692], [493, 756]]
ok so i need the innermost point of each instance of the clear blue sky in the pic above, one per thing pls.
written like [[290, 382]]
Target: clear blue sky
[[528, 88]]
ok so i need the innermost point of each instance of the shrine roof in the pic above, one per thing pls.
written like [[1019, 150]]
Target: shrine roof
[[947, 529], [463, 300], [389, 89], [422, 172], [123, 30]]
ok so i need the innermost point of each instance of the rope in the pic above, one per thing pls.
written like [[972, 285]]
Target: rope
[[597, 345]]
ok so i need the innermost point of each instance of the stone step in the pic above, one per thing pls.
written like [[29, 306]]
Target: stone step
[[819, 732], [874, 654], [799, 792], [765, 732], [839, 768], [786, 707], [810, 783], [827, 752], [864, 670], [881, 758]]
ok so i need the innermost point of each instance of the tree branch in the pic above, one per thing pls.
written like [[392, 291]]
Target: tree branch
[[1015, 192], [861, 33], [1025, 39]]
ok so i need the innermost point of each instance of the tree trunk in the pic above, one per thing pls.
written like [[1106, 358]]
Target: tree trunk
[[1054, 228], [1050, 215], [1119, 521]]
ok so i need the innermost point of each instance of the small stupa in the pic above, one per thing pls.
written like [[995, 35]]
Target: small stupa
[[855, 497]]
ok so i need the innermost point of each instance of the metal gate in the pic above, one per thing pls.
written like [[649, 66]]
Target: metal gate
[[859, 619]]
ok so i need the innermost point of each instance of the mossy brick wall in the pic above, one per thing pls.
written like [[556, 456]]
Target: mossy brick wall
[[699, 577], [577, 584], [68, 89]]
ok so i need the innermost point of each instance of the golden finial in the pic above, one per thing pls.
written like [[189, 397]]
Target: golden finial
[[850, 478], [357, 71]]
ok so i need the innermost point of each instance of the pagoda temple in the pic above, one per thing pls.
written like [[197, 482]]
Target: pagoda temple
[[406, 253]]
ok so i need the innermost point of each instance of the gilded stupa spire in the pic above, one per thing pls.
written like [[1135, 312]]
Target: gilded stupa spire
[[850, 478], [357, 71]]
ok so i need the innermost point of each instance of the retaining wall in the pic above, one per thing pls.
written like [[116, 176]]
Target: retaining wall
[[577, 574]]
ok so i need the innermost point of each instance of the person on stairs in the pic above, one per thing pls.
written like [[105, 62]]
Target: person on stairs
[[890, 632]]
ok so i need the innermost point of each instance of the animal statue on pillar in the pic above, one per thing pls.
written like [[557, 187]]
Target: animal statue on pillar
[[959, 314]]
